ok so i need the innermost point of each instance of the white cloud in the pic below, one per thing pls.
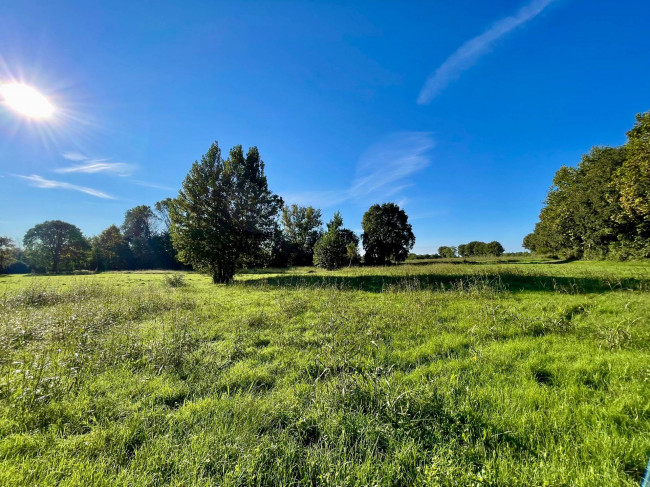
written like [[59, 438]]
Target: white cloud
[[92, 166], [98, 165], [153, 185], [74, 156], [382, 171], [470, 52], [39, 182]]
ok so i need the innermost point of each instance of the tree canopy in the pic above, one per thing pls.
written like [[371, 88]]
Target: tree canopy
[[601, 206], [301, 227], [223, 212], [387, 235], [53, 243], [331, 250]]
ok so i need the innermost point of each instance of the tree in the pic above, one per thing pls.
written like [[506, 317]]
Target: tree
[[224, 212], [352, 253], [447, 252], [7, 249], [387, 235], [494, 248], [111, 250], [53, 243], [331, 252], [477, 248], [162, 213], [301, 229], [138, 228]]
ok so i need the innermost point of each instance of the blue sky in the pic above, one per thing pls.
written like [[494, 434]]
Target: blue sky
[[460, 112]]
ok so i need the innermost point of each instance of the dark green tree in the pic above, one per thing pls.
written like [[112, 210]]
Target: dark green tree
[[224, 212], [302, 229], [7, 249], [331, 252], [138, 229], [54, 243], [387, 235], [494, 248], [110, 250]]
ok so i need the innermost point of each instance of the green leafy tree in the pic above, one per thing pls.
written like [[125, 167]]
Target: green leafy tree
[[111, 250], [138, 229], [447, 252], [494, 248], [7, 249], [53, 244], [302, 229], [224, 212], [387, 235], [330, 252], [352, 253]]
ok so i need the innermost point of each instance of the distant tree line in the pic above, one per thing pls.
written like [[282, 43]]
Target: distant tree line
[[601, 207], [471, 249], [224, 218]]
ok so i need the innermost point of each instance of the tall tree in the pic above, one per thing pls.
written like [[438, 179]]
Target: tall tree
[[331, 252], [52, 243], [223, 212], [111, 250], [387, 234], [302, 229], [7, 249], [138, 228]]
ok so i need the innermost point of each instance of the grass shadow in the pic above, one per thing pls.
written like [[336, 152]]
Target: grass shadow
[[512, 282]]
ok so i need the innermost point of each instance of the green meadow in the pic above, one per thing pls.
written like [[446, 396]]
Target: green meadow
[[431, 373]]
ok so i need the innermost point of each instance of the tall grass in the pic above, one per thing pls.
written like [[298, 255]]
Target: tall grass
[[413, 375]]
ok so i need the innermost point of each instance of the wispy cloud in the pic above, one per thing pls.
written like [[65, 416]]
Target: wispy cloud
[[40, 182], [92, 166], [98, 165], [382, 171], [74, 156], [153, 185], [470, 52]]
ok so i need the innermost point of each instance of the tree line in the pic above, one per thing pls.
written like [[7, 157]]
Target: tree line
[[223, 219], [601, 207]]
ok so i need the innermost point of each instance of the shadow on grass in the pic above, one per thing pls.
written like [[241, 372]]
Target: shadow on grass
[[511, 282]]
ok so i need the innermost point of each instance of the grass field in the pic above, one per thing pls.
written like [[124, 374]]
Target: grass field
[[432, 374]]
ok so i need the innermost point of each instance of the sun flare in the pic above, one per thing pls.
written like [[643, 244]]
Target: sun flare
[[26, 100]]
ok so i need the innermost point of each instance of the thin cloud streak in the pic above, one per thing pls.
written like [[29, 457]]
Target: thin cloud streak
[[153, 185], [381, 172], [471, 51], [92, 166], [74, 156], [96, 166], [39, 182]]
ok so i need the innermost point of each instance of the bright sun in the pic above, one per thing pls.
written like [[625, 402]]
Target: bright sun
[[26, 100]]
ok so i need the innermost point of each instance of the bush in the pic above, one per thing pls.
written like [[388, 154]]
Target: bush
[[174, 280]]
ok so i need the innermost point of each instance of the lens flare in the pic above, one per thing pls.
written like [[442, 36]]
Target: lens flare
[[26, 100]]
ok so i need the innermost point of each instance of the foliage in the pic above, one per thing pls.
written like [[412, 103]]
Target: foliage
[[600, 207], [174, 280], [7, 249], [138, 229], [387, 235], [224, 213], [440, 374], [447, 252], [110, 250], [476, 248], [301, 227], [331, 252], [54, 244]]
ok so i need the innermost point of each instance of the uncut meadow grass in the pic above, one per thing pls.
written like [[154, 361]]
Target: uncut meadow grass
[[445, 373]]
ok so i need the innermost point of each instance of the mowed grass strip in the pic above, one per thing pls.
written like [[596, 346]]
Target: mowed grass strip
[[483, 373]]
